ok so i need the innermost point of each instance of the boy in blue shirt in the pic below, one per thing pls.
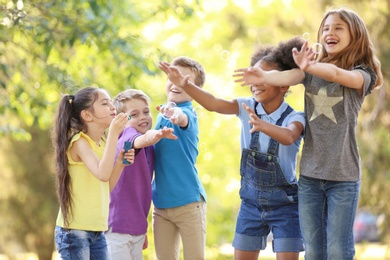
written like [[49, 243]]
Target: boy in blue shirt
[[178, 195]]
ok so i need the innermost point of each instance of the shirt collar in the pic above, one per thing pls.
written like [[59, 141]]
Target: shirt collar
[[274, 115], [185, 104]]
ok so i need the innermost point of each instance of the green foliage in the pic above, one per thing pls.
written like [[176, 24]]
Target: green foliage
[[60, 46]]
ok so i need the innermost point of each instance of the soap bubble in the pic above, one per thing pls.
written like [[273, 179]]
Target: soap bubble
[[225, 55], [198, 111], [169, 110], [317, 48], [306, 36]]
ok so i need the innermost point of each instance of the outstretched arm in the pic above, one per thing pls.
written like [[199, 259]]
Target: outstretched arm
[[284, 135], [257, 76], [327, 71], [153, 136], [149, 138], [204, 98]]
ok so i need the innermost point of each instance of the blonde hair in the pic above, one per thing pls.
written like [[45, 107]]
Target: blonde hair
[[126, 95], [194, 66], [360, 51]]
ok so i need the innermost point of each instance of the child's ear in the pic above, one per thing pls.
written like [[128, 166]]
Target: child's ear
[[86, 115]]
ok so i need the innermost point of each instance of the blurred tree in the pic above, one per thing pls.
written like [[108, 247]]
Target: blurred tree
[[29, 208]]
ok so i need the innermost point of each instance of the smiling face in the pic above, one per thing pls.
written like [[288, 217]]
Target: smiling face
[[269, 96], [176, 94], [335, 34], [139, 111]]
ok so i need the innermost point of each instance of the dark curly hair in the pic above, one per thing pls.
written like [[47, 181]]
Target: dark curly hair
[[281, 55]]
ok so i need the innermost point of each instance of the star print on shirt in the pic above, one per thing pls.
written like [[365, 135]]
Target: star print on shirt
[[323, 105]]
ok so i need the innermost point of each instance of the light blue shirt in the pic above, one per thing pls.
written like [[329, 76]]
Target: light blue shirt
[[287, 154]]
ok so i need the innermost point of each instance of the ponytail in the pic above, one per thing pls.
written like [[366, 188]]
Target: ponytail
[[61, 139]]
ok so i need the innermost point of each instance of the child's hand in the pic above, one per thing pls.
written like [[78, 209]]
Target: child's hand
[[166, 133], [118, 123], [254, 120], [249, 76], [305, 57], [129, 156], [146, 243], [170, 110], [178, 116], [172, 113], [174, 75]]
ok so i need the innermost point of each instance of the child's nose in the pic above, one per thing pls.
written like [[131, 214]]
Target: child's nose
[[331, 31]]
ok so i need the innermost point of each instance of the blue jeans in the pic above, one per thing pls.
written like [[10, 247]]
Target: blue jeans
[[80, 244], [327, 212]]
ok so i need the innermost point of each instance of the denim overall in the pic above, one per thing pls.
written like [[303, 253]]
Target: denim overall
[[262, 170], [269, 201]]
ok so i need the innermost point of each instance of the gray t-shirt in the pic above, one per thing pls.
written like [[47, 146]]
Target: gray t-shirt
[[330, 150]]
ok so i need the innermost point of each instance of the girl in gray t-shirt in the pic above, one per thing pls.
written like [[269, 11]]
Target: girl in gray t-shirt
[[336, 83]]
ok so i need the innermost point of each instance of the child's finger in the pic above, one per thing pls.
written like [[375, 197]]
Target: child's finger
[[248, 109], [238, 74], [242, 70], [129, 155]]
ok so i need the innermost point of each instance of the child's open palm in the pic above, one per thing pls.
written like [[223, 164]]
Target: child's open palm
[[249, 76], [254, 120], [166, 133], [174, 75], [305, 57]]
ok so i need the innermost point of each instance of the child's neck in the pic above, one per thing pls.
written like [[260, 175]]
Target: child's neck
[[269, 108], [95, 134]]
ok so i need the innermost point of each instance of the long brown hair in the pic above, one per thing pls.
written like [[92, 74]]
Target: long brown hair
[[360, 51], [67, 123]]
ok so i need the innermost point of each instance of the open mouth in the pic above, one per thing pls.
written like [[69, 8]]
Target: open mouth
[[257, 91], [175, 91], [332, 42], [144, 124]]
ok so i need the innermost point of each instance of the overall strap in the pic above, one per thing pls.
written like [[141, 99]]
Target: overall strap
[[254, 145], [273, 145]]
